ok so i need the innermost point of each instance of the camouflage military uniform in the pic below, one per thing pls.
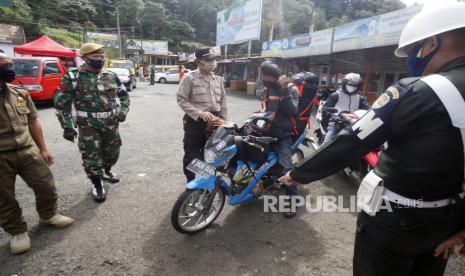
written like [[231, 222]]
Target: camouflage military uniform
[[93, 94]]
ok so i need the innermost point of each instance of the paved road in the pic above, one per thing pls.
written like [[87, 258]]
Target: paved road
[[131, 234]]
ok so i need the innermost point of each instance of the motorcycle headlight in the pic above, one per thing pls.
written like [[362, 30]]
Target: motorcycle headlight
[[209, 156]]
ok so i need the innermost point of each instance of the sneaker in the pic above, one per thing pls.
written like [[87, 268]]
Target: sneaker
[[110, 177], [58, 221], [20, 243]]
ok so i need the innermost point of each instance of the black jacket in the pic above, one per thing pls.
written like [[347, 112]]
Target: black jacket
[[284, 103], [425, 157]]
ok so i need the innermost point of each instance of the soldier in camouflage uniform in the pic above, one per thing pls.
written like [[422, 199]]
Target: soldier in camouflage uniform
[[93, 92]]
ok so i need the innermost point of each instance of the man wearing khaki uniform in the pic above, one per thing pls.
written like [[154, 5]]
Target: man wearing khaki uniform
[[202, 97], [19, 129]]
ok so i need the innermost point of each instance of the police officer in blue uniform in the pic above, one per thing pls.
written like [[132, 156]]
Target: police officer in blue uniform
[[422, 171]]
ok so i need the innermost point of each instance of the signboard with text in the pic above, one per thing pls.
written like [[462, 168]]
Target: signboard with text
[[316, 43], [155, 47], [107, 40], [239, 23], [376, 31], [11, 34]]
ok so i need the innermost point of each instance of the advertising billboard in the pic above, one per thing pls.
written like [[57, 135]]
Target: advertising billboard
[[155, 47], [11, 34], [316, 43], [107, 40], [239, 23], [377, 31]]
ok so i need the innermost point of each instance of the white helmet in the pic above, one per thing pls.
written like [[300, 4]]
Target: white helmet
[[430, 22], [352, 79]]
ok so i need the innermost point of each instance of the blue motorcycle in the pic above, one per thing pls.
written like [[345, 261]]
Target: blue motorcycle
[[238, 163]]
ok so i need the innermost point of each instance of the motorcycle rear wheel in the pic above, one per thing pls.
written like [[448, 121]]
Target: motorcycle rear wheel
[[190, 207]]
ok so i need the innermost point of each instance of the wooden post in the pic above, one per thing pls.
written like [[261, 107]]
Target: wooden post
[[366, 83]]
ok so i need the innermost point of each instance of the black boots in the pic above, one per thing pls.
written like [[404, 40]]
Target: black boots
[[110, 177], [97, 191]]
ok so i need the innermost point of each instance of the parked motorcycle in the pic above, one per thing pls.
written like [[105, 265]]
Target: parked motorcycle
[[341, 120], [239, 165]]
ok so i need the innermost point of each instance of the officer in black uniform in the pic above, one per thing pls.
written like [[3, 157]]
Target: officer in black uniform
[[423, 120]]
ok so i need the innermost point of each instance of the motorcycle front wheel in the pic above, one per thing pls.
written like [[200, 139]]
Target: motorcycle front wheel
[[195, 210]]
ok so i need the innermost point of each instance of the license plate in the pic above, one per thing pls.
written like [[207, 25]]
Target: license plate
[[201, 168]]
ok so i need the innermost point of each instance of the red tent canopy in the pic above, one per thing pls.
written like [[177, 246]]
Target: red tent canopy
[[44, 46]]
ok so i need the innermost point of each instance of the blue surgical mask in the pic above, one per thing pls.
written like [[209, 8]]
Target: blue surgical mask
[[96, 63], [415, 64]]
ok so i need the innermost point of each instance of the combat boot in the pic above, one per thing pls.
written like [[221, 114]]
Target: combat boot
[[20, 243], [110, 177], [58, 221], [98, 191]]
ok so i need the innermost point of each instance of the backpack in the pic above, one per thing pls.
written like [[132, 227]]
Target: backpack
[[307, 97]]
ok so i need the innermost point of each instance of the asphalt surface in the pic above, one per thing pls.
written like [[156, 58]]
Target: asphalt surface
[[131, 233]]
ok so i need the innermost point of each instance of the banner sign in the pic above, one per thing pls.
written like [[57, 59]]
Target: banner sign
[[319, 44], [316, 43], [107, 40], [377, 31], [239, 23], [154, 47], [11, 34]]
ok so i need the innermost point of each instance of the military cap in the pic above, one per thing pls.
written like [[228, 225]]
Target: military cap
[[88, 48], [205, 52]]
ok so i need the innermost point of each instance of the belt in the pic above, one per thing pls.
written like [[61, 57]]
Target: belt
[[97, 115], [415, 203]]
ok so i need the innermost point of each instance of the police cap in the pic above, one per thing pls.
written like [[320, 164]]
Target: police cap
[[205, 52]]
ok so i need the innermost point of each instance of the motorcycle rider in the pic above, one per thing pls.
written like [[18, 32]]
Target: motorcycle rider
[[345, 99], [422, 170], [282, 101]]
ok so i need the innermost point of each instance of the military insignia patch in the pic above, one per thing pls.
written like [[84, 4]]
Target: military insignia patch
[[381, 101], [21, 102], [394, 92]]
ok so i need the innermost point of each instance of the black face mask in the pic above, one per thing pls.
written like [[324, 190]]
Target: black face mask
[[96, 63], [7, 74], [270, 84]]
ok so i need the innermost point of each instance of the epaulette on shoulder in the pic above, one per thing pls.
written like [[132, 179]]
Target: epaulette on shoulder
[[18, 89], [408, 81]]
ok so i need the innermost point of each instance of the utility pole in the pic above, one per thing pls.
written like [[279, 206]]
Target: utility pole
[[119, 31], [141, 46], [313, 16]]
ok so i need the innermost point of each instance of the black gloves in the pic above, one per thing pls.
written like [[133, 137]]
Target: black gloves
[[69, 134], [121, 117]]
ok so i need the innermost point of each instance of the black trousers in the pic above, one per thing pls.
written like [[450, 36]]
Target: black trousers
[[194, 142], [402, 242]]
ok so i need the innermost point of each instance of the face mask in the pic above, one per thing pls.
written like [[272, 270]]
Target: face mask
[[96, 63], [7, 74], [209, 66], [270, 84], [415, 64], [351, 89]]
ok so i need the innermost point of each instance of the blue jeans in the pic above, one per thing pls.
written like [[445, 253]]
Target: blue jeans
[[284, 150], [332, 131]]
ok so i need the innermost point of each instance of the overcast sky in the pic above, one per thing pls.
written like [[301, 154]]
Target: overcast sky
[[429, 2]]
